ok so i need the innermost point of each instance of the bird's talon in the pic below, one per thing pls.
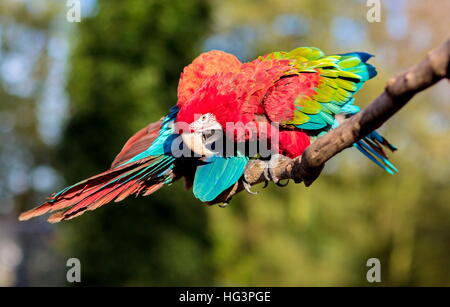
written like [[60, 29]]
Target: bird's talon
[[275, 179], [278, 183], [266, 173], [248, 187]]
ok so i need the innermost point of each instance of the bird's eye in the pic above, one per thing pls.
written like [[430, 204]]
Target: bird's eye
[[203, 118]]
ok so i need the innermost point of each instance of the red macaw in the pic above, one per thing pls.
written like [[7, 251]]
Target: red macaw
[[291, 97]]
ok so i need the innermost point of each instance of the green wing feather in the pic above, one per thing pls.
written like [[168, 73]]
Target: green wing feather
[[341, 76]]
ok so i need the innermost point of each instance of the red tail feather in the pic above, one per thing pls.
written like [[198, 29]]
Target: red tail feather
[[114, 184]]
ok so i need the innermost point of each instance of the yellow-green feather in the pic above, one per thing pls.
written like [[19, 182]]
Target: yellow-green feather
[[341, 76]]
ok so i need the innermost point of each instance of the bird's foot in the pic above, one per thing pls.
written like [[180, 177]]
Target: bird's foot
[[268, 170], [248, 186]]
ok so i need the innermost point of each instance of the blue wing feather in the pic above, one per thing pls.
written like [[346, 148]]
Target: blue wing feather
[[217, 175]]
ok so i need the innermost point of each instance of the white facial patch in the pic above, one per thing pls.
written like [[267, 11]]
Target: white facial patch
[[203, 133], [205, 122]]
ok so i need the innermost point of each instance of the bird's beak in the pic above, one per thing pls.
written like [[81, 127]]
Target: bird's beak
[[195, 143]]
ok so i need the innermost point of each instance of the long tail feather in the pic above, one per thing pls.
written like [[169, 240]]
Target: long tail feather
[[142, 177], [141, 168], [372, 147]]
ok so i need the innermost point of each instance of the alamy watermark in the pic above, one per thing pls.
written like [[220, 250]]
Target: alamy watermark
[[374, 11], [374, 273], [74, 11], [74, 272]]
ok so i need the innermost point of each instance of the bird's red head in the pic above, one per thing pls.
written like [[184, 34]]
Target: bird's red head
[[214, 106], [211, 107]]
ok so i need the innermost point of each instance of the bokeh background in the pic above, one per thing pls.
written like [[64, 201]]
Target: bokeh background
[[72, 93]]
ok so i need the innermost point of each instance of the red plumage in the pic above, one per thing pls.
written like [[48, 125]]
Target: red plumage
[[139, 142], [204, 66], [279, 101], [293, 142], [258, 90]]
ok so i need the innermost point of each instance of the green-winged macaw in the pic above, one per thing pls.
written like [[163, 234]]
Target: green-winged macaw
[[291, 97]]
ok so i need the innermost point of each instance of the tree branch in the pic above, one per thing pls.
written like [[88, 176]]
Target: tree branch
[[398, 91]]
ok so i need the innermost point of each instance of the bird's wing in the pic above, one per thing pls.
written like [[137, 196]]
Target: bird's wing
[[317, 89], [217, 175], [139, 178], [322, 87], [142, 174], [138, 143]]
